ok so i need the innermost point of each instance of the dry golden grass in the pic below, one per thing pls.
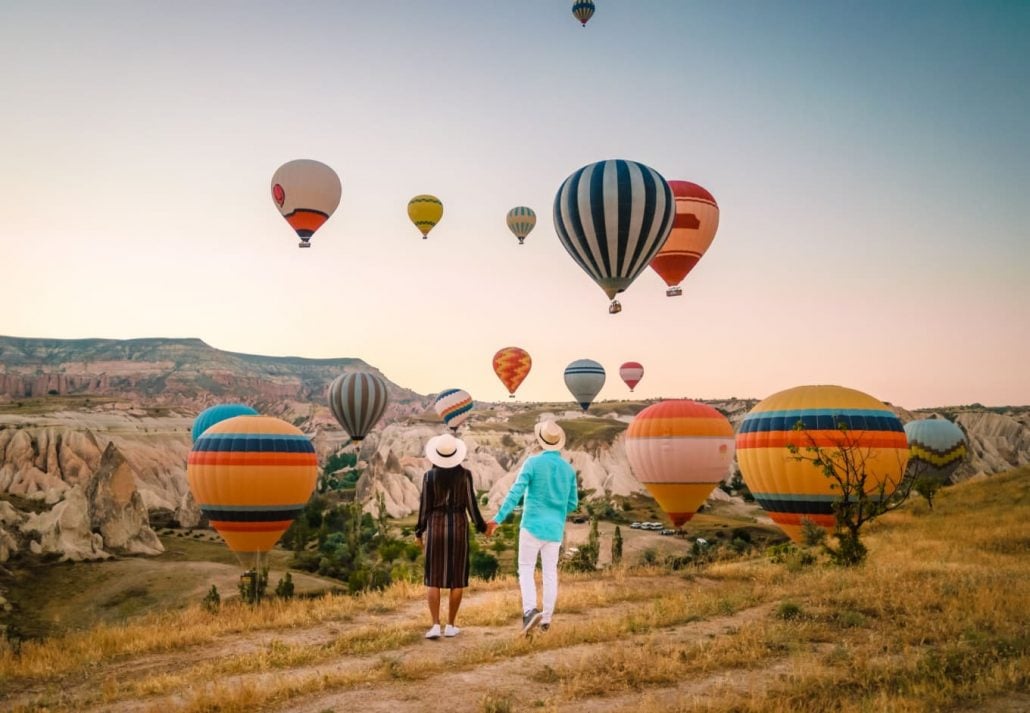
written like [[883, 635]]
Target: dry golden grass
[[938, 616]]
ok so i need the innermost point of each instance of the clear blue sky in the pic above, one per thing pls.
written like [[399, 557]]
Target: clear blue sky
[[871, 161]]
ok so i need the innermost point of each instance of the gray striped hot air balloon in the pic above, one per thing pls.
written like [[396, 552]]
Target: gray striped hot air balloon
[[358, 400], [584, 377], [613, 217], [521, 219]]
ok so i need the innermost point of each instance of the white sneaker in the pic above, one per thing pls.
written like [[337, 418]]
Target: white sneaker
[[433, 633], [451, 630]]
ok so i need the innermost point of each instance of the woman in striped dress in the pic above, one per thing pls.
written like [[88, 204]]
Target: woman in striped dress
[[448, 501]]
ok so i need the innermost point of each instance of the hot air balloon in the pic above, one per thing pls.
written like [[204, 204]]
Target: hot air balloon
[[631, 372], [697, 219], [792, 491], [306, 192], [583, 10], [454, 406], [425, 212], [937, 448], [521, 221], [512, 364], [612, 217], [357, 401], [584, 378], [680, 450], [217, 413], [251, 476]]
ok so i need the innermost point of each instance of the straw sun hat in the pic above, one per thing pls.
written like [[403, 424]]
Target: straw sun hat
[[446, 451], [550, 435]]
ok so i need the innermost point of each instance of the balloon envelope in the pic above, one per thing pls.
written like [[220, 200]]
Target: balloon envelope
[[792, 491], [584, 378], [936, 446], [425, 212], [306, 192], [693, 230], [357, 401], [631, 372], [512, 364], [251, 476], [583, 10], [521, 220], [454, 406], [680, 450], [612, 217], [217, 413]]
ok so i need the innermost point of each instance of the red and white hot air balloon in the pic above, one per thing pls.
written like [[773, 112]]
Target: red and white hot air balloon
[[631, 372], [693, 230]]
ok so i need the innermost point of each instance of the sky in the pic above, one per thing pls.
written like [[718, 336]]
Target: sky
[[871, 162]]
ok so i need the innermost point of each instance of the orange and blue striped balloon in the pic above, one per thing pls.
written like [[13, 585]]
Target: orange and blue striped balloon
[[454, 406], [251, 476], [793, 491]]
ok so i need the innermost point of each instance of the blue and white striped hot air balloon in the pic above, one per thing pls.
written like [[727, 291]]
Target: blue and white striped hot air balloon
[[613, 217], [584, 377], [357, 401]]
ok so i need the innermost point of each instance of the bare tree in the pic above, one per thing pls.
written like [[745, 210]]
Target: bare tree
[[868, 485]]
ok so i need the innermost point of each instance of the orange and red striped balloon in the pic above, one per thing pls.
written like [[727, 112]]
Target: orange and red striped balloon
[[693, 230], [251, 476], [793, 491], [512, 364], [680, 450]]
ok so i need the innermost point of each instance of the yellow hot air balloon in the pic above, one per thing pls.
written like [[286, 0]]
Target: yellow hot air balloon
[[425, 212], [793, 491], [680, 450]]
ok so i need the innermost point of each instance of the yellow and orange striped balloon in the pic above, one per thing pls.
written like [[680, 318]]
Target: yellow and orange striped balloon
[[512, 364], [680, 450], [793, 491], [251, 476]]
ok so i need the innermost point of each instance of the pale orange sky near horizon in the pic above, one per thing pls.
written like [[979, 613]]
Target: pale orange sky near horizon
[[871, 164]]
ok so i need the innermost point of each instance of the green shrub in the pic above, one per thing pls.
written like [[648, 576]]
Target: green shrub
[[483, 565], [789, 611], [212, 600], [284, 589]]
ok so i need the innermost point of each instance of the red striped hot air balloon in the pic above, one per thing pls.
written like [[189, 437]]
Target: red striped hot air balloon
[[693, 230], [680, 450], [251, 476], [831, 418], [631, 372], [512, 364]]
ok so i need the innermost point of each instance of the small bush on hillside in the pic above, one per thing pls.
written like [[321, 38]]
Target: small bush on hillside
[[483, 565], [790, 555], [212, 600], [789, 611], [284, 589]]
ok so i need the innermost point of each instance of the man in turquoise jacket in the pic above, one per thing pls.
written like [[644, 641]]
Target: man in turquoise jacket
[[548, 483]]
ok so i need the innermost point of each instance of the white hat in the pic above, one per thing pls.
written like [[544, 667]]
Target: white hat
[[445, 451], [550, 435]]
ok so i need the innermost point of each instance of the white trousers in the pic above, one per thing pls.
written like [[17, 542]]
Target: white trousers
[[529, 548]]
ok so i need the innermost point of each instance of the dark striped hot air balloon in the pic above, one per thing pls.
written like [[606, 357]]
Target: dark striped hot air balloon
[[583, 10], [307, 193], [793, 491], [584, 379], [937, 448], [512, 364], [521, 220], [612, 217], [357, 400], [680, 450], [216, 414], [693, 230], [251, 476], [454, 406]]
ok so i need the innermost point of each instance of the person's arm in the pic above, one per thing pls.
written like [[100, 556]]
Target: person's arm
[[573, 494], [423, 507], [477, 517], [514, 497]]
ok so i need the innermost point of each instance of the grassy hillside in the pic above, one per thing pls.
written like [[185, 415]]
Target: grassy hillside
[[936, 620]]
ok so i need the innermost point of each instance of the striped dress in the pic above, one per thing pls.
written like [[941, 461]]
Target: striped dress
[[448, 500]]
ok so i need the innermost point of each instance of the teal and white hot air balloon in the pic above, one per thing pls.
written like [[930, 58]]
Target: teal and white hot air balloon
[[937, 448], [584, 377], [521, 220], [216, 414]]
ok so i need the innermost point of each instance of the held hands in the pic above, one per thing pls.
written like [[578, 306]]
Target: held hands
[[418, 539], [490, 528]]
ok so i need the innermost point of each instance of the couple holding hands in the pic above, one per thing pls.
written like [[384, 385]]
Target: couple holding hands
[[548, 484]]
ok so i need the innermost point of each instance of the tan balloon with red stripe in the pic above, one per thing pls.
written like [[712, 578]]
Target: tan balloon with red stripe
[[693, 230], [307, 193], [680, 450]]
